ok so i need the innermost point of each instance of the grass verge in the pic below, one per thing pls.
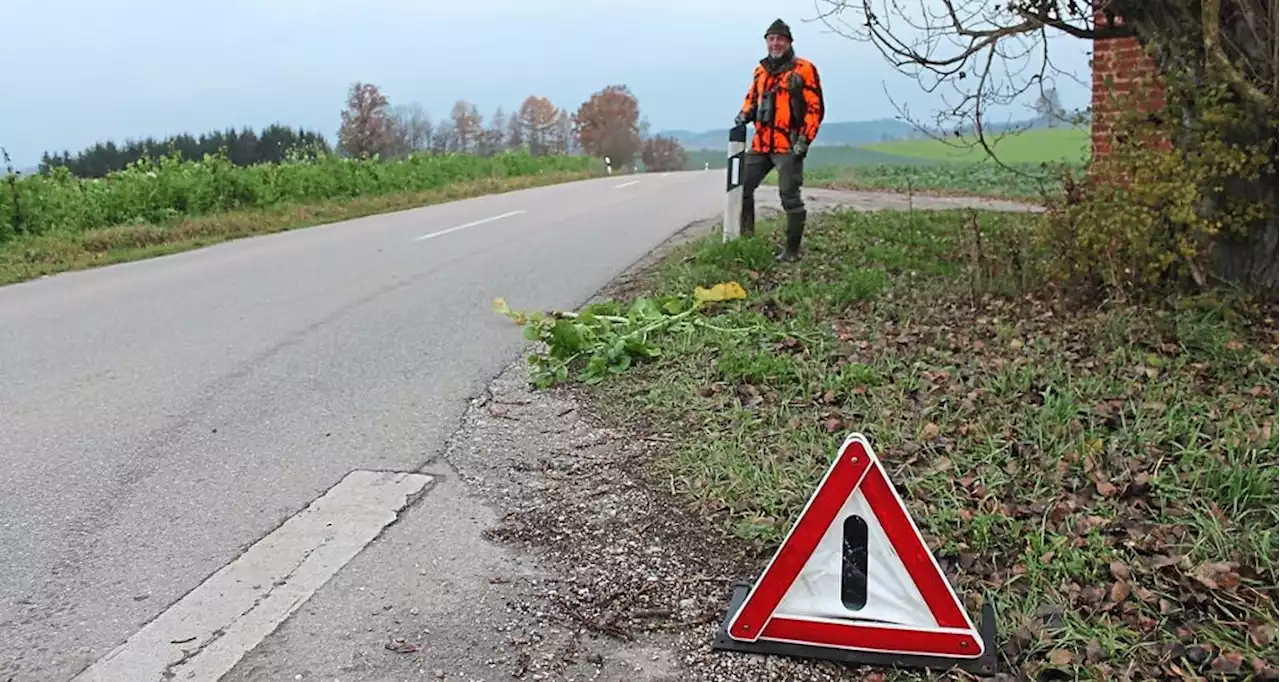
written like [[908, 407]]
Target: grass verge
[[1106, 475], [24, 258]]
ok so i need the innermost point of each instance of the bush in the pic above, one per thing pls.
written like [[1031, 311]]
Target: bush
[[1168, 202]]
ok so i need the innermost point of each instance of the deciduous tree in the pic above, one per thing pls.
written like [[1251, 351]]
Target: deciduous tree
[[367, 127], [494, 137], [467, 125], [662, 153], [537, 117], [608, 125], [413, 128]]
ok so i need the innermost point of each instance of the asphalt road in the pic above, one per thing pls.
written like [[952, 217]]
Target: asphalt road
[[157, 418]]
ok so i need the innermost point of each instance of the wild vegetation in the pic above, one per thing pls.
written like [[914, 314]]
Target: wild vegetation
[[1104, 474], [1079, 406]]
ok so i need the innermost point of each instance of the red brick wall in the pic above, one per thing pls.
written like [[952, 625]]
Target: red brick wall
[[1124, 79]]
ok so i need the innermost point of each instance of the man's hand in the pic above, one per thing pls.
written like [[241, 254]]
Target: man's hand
[[800, 148], [741, 119]]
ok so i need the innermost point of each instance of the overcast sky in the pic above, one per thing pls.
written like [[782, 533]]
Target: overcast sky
[[80, 71]]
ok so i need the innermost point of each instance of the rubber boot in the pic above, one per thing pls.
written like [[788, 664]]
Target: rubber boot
[[795, 230], [747, 220]]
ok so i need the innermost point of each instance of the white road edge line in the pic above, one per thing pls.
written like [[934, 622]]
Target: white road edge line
[[466, 225], [626, 184], [208, 631]]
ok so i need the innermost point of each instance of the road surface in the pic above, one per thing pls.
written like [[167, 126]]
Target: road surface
[[159, 418]]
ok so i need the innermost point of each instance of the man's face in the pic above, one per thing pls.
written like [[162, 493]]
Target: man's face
[[777, 44]]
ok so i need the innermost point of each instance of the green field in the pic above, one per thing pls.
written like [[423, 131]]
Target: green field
[[1056, 145], [1046, 145], [932, 166]]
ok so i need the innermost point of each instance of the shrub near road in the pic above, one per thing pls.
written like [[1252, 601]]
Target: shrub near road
[[60, 222], [1106, 473]]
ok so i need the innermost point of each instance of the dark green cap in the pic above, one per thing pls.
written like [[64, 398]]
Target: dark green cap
[[779, 27]]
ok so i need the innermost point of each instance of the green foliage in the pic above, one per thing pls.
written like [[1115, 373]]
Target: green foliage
[[606, 339], [155, 191], [1155, 209]]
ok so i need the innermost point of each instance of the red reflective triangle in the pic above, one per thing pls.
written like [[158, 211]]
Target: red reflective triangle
[[908, 606]]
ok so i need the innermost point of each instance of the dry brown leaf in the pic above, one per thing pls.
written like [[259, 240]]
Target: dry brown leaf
[[1262, 634], [1228, 662], [1119, 570], [1061, 657]]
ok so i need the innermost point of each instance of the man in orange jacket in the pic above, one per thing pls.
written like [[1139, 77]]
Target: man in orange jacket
[[785, 103]]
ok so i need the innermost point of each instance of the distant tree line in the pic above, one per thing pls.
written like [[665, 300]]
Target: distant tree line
[[607, 125], [243, 148]]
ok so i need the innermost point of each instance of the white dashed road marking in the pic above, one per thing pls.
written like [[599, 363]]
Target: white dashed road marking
[[466, 225], [626, 184], [208, 631]]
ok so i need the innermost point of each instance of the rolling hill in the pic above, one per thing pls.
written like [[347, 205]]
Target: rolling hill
[[857, 133], [834, 134]]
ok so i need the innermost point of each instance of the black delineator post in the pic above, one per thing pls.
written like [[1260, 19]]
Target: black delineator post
[[733, 182]]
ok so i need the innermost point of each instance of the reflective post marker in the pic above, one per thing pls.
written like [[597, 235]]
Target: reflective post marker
[[733, 182]]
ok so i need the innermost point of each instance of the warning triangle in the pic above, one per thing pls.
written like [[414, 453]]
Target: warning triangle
[[854, 574]]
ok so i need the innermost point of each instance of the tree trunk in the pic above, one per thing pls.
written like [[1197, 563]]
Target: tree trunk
[[1173, 32], [1253, 259]]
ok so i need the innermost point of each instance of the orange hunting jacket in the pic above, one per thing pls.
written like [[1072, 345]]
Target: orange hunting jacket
[[798, 107]]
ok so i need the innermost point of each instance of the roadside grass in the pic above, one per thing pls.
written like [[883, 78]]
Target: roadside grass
[[1107, 475], [28, 257]]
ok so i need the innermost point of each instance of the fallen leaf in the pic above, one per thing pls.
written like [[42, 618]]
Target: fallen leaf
[[1228, 662], [1061, 657], [931, 431], [723, 291], [1262, 634], [1119, 570], [1093, 651]]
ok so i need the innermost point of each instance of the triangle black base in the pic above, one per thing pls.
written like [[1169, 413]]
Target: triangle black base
[[981, 666]]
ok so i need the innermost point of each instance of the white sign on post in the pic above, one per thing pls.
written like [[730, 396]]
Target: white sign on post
[[733, 183]]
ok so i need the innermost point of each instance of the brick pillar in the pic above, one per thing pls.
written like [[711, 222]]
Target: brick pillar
[[1124, 79]]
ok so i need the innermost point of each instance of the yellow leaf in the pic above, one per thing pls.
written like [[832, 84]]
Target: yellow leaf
[[500, 306], [724, 291]]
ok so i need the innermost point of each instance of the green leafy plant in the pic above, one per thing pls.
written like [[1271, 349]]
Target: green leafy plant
[[166, 189], [605, 339]]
